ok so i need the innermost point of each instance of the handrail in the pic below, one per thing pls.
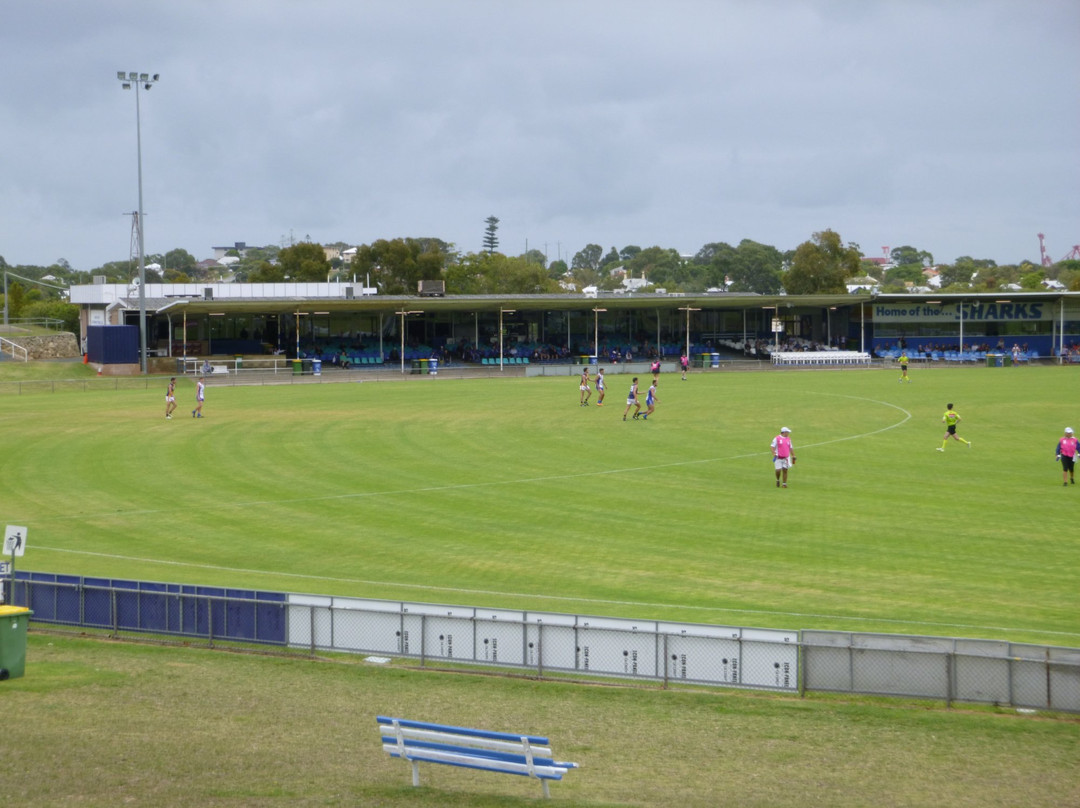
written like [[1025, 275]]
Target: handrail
[[8, 346]]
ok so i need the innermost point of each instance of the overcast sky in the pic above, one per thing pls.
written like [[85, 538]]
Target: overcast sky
[[948, 125]]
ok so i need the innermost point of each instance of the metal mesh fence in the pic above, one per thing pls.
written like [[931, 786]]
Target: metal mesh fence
[[663, 653]]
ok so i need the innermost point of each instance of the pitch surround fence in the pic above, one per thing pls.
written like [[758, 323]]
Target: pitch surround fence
[[665, 653]]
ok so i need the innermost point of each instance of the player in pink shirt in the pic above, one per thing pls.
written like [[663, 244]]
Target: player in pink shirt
[[1066, 453], [783, 454]]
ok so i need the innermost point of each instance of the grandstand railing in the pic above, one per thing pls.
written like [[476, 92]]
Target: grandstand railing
[[13, 348], [544, 643]]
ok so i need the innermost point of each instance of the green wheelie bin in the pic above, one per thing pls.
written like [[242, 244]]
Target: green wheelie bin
[[13, 620]]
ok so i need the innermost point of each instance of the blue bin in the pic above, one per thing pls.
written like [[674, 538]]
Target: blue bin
[[716, 360], [433, 367], [316, 367]]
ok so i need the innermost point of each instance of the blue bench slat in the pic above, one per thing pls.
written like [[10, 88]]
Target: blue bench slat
[[474, 751], [540, 775], [473, 733]]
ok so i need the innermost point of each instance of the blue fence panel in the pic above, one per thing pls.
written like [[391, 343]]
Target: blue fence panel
[[147, 606], [97, 602]]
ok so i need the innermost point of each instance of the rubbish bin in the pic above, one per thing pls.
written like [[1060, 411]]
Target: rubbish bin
[[305, 365], [239, 362], [705, 361], [13, 620], [297, 367], [1006, 360], [316, 367], [415, 366], [716, 360], [433, 364]]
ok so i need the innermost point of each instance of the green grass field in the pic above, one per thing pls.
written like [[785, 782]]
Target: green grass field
[[98, 723], [504, 492]]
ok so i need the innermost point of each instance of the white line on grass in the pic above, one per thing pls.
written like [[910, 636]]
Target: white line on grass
[[494, 483], [599, 601], [560, 598]]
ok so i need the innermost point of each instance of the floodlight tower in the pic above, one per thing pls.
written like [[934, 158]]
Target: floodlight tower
[[127, 81]]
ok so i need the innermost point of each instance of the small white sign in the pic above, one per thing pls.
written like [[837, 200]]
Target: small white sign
[[5, 568], [14, 540]]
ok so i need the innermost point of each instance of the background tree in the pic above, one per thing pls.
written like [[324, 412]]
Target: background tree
[[902, 256], [535, 256], [752, 267], [898, 278], [587, 258], [1032, 281], [557, 269], [611, 258], [664, 267], [304, 262], [711, 251], [54, 309], [491, 238], [821, 266], [495, 273], [265, 272], [179, 261], [396, 266], [1068, 274], [958, 276]]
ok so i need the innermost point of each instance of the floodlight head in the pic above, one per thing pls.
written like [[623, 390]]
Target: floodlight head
[[144, 77], [133, 76], [126, 85], [147, 86], [120, 74], [157, 76]]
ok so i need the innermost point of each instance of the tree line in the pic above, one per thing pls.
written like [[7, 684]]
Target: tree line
[[824, 264]]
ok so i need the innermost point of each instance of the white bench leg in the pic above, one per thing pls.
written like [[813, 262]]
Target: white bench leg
[[415, 773]]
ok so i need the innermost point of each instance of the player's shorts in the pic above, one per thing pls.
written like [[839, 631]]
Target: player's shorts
[[903, 368], [584, 388], [170, 399], [631, 401], [951, 429], [781, 463], [1067, 463]]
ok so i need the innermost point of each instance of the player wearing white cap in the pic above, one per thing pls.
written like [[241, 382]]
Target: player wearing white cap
[[783, 454], [1066, 452]]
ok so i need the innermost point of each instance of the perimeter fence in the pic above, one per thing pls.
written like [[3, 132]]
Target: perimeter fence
[[558, 644]]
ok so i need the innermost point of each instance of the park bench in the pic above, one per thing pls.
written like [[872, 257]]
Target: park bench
[[219, 369], [505, 752]]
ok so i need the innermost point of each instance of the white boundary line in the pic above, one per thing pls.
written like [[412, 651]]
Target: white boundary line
[[534, 596], [495, 483]]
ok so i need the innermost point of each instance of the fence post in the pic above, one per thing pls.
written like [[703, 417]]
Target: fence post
[[665, 662], [210, 620], [114, 617], [1049, 678], [950, 662], [423, 640], [540, 650], [311, 618], [801, 667]]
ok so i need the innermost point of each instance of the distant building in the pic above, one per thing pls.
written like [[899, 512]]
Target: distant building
[[240, 247]]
